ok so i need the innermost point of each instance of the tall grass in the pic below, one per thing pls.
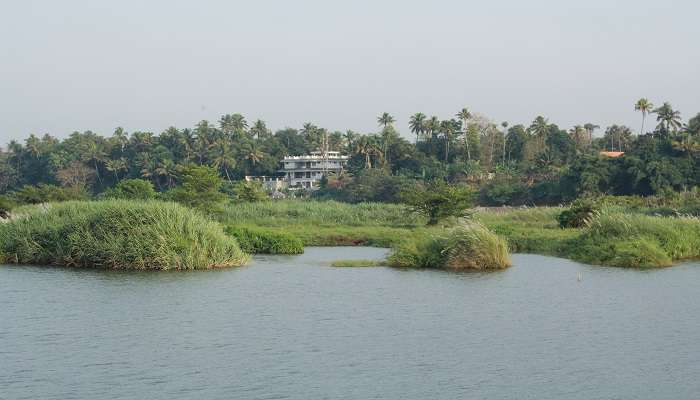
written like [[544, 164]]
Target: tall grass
[[321, 213], [117, 234], [265, 241], [470, 246], [639, 241], [528, 230]]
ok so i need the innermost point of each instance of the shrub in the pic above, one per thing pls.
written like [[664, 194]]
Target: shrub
[[579, 214], [249, 192], [638, 241], [469, 246], [42, 193], [438, 200], [118, 234], [201, 188], [264, 241], [131, 189]]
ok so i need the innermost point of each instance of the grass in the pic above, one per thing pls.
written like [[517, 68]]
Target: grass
[[529, 230], [615, 237], [117, 234], [328, 223], [639, 241], [263, 241], [469, 246], [322, 213], [357, 263]]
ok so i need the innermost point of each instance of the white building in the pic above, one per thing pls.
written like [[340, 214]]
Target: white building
[[306, 171]]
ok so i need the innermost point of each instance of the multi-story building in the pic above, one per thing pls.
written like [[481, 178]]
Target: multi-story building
[[306, 171]]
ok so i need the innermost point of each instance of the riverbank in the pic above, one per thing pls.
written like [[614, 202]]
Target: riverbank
[[618, 237], [145, 235]]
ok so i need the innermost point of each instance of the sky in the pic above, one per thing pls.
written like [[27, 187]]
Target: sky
[[146, 65]]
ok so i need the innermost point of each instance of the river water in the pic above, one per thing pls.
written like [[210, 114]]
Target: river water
[[295, 328]]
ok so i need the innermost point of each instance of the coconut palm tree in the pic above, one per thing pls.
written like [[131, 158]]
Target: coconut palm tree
[[449, 130], [233, 125], [504, 125], [385, 120], [121, 138], [365, 147], [590, 129], [579, 135], [222, 157], [645, 107], [259, 130], [464, 115], [417, 124], [540, 128], [167, 169], [669, 119], [92, 151], [115, 166]]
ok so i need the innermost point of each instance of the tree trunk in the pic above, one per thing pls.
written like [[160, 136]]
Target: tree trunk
[[97, 172]]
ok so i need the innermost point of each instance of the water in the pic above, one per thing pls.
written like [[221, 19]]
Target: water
[[295, 328]]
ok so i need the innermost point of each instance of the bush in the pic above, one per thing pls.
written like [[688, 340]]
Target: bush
[[117, 234], [249, 192], [46, 193], [638, 241], [579, 214], [438, 200], [264, 241], [201, 189], [470, 246], [131, 189]]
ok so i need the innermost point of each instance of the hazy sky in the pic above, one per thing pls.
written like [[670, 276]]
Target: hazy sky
[[145, 65]]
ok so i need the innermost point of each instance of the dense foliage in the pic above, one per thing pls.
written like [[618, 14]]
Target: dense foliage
[[469, 246], [266, 241], [117, 234], [507, 164]]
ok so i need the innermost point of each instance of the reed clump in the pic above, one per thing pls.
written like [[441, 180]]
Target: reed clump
[[265, 241], [637, 240], [469, 246], [118, 234]]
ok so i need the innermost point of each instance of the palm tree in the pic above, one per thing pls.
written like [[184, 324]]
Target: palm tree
[[669, 119], [115, 166], [449, 130], [590, 129], [464, 115], [540, 128], [121, 138], [349, 138], [504, 125], [222, 157], [365, 147], [645, 107], [92, 151], [579, 135], [168, 169], [16, 149], [385, 120], [417, 124], [259, 130], [233, 124]]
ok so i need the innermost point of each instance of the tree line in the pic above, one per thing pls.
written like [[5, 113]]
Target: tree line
[[534, 163]]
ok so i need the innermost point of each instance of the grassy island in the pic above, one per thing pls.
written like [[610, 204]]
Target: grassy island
[[117, 234]]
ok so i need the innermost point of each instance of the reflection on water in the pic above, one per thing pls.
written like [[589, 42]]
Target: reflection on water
[[295, 328]]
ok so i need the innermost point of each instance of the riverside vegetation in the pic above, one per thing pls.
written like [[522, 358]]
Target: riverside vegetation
[[394, 193], [117, 234]]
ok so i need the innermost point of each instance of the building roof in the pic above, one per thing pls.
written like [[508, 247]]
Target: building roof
[[612, 154]]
